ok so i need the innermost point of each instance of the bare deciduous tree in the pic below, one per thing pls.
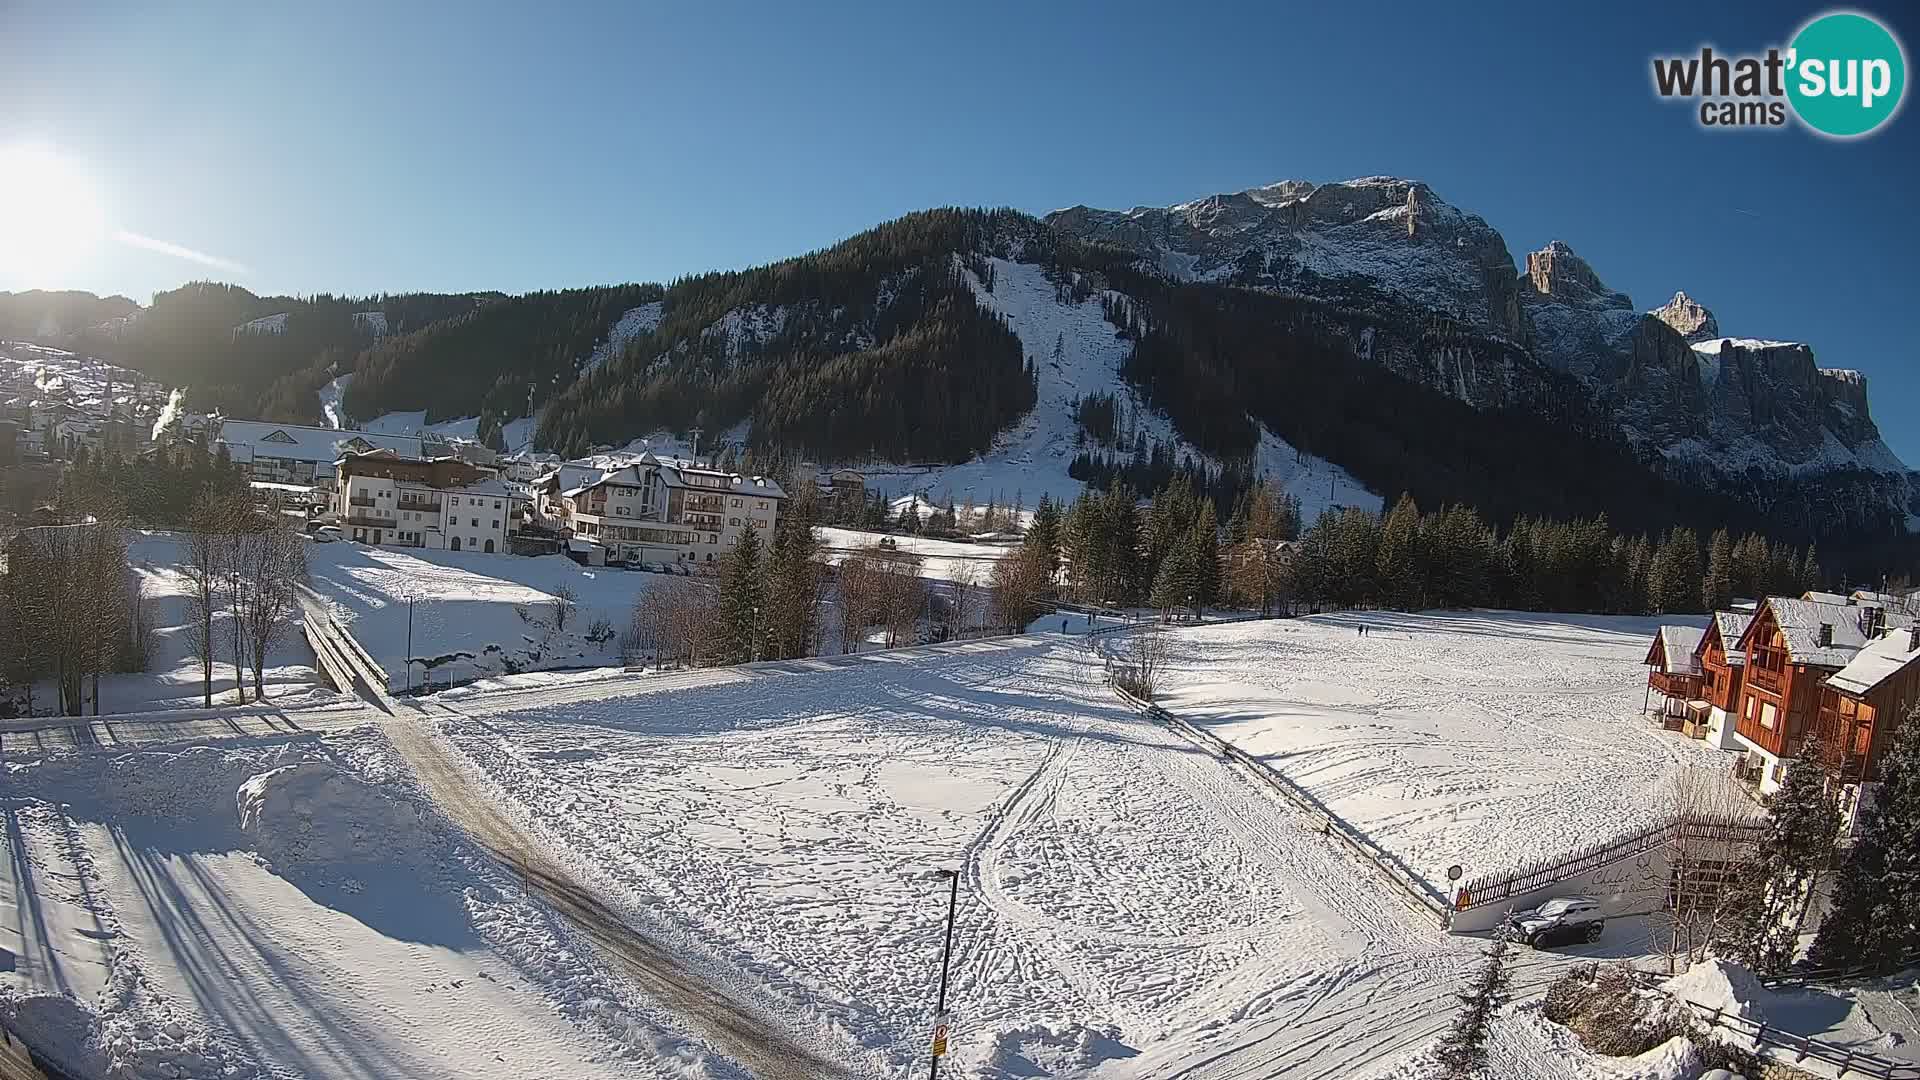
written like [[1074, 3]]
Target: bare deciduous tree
[[274, 566], [566, 600]]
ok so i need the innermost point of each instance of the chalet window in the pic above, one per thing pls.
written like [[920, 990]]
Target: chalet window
[[496, 504], [734, 522], [496, 523], [736, 504], [1769, 716]]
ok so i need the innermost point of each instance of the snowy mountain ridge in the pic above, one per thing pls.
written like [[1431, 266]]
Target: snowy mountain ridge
[[1753, 418]]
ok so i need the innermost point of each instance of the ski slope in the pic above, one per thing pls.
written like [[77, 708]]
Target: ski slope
[[1031, 459]]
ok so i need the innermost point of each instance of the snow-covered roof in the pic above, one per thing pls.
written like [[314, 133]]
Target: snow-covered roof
[[295, 442], [1731, 625], [674, 473], [1674, 648], [1883, 658], [492, 487], [1800, 622], [1824, 597]]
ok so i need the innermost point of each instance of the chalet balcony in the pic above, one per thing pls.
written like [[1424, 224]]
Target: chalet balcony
[[361, 500], [1684, 687], [421, 507], [371, 521], [1765, 678]]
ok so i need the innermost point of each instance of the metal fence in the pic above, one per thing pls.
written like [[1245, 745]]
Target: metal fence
[[1848, 1061]]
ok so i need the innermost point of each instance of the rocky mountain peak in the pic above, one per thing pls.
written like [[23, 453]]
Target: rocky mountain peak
[[1686, 315], [1557, 274]]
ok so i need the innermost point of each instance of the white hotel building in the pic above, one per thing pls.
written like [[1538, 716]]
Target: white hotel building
[[391, 501], [664, 511]]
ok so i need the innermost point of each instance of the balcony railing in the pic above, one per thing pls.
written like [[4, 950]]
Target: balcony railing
[[358, 500], [428, 507], [1685, 687], [1765, 678], [370, 521]]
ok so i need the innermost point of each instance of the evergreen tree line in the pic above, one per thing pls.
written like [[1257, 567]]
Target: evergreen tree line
[[155, 489], [1152, 466], [1453, 557]]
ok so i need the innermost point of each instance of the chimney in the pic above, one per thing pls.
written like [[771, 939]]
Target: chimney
[[1826, 634], [1869, 622]]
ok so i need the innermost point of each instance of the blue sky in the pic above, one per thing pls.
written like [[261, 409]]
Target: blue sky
[[343, 148]]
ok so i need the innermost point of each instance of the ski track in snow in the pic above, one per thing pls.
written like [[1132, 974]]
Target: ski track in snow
[[1130, 906]]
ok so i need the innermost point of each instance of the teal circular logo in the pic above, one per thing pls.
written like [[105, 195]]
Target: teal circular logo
[[1846, 74]]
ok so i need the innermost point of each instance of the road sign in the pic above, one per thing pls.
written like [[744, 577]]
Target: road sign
[[940, 1035], [1454, 872]]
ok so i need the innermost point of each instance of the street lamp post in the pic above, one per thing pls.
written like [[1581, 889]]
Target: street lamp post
[[946, 958], [410, 601]]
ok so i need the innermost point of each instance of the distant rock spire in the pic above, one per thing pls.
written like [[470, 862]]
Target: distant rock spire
[[1688, 318]]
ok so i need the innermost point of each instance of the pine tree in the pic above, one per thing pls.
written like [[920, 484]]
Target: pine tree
[[1874, 920], [1718, 591], [1045, 532], [1462, 1052], [1178, 583], [1802, 823], [1810, 576], [742, 596], [1400, 564], [1206, 556]]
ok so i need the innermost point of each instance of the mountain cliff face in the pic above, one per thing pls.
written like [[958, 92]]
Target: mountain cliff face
[[1758, 421]]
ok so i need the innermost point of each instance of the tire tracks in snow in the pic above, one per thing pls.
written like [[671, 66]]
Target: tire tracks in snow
[[709, 1012]]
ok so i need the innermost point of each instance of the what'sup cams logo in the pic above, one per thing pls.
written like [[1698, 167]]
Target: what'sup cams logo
[[1843, 76]]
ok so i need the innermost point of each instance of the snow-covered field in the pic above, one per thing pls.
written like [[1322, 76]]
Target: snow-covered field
[[1125, 900], [294, 909], [940, 560], [1486, 739], [475, 614], [173, 677]]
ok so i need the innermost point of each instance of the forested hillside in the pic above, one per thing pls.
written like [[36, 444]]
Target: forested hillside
[[39, 313], [482, 362], [256, 355], [875, 346]]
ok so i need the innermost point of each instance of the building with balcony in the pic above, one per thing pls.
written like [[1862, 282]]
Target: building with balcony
[[1722, 667], [1674, 672], [659, 510], [1861, 706], [444, 503], [1793, 646]]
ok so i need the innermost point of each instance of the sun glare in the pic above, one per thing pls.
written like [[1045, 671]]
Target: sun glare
[[50, 216]]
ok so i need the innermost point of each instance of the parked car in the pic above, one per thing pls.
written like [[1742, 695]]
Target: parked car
[[327, 534], [1562, 920]]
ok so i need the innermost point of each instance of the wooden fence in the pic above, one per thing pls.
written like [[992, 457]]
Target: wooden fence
[[1500, 886]]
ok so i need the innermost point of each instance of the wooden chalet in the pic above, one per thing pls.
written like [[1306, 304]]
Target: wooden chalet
[[1791, 647], [1674, 671], [1862, 704], [1722, 666]]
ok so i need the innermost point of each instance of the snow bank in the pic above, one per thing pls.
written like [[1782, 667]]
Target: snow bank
[[314, 814], [1723, 985]]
